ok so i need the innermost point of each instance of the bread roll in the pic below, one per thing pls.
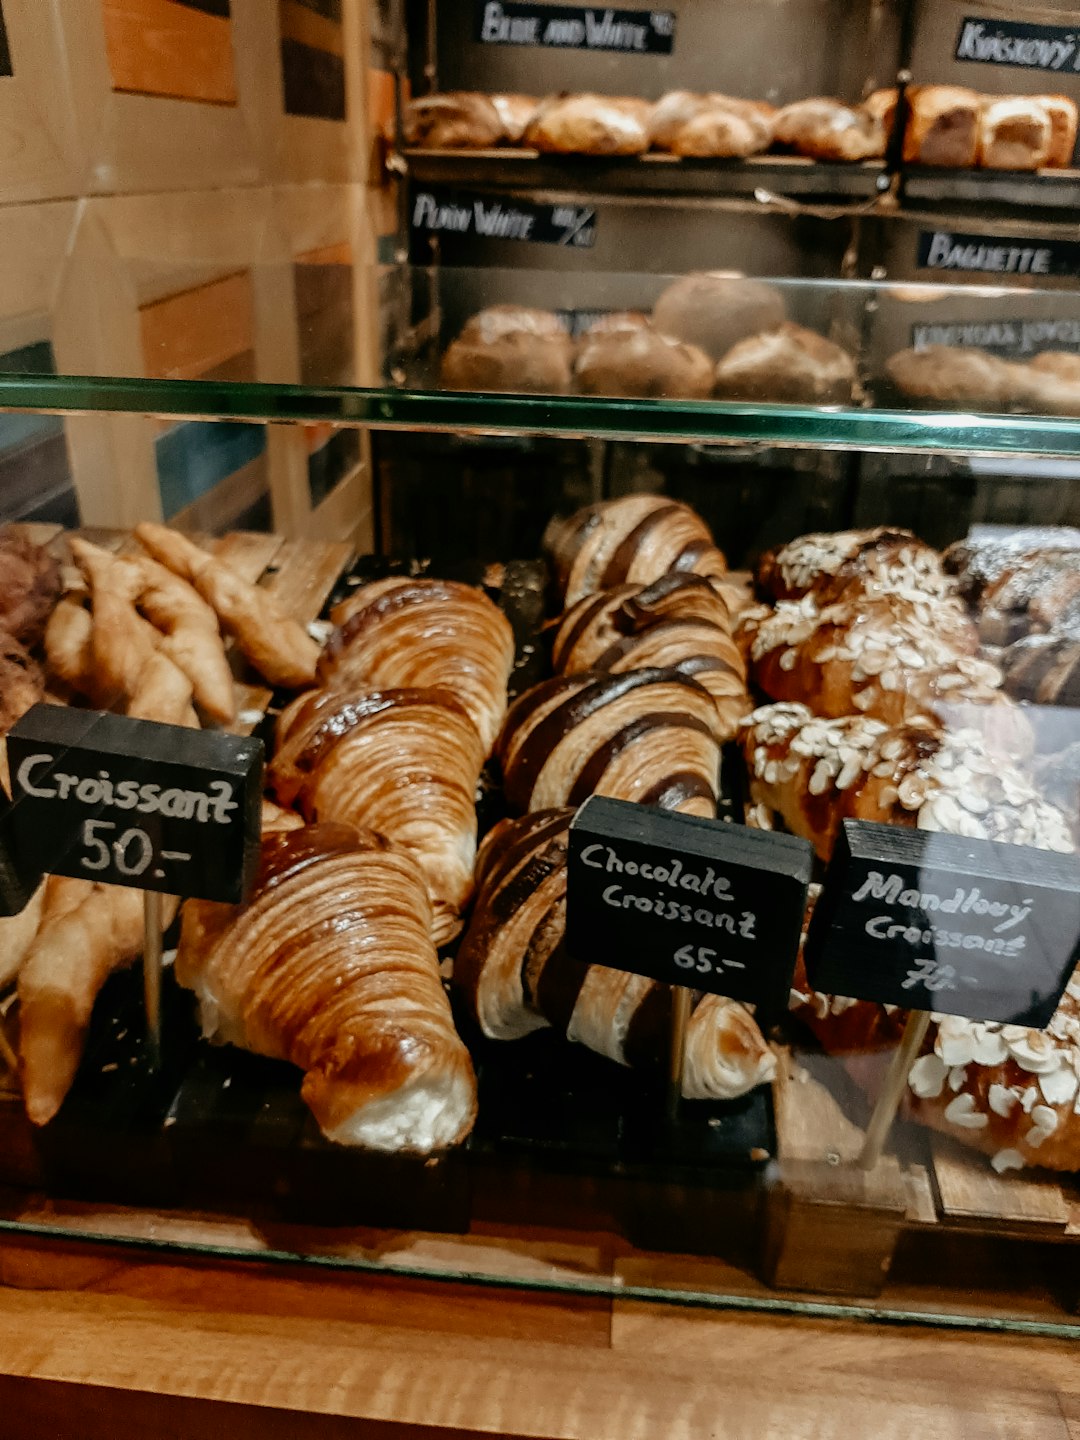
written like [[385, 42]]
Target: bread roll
[[791, 365], [329, 966], [825, 129], [955, 375], [22, 684], [710, 126], [943, 126], [715, 310], [590, 125], [456, 120], [639, 361], [514, 112], [29, 586], [1015, 133], [635, 539], [510, 348]]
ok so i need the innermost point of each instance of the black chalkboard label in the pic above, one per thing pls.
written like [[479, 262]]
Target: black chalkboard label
[[692, 902], [1012, 338], [1018, 44], [994, 255], [575, 27], [130, 802], [497, 217], [944, 923]]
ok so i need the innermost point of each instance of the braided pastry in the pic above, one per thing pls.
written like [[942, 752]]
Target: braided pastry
[[893, 657], [652, 736], [680, 621], [515, 970], [408, 632], [330, 966], [403, 762], [850, 563], [636, 539]]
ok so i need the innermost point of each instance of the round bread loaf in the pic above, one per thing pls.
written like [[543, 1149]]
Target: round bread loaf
[[715, 310], [456, 120], [955, 375], [510, 348], [590, 125], [639, 361], [791, 364]]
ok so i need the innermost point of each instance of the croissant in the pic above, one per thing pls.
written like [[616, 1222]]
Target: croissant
[[852, 563], [330, 966], [87, 931], [680, 621], [164, 694], [69, 645], [193, 639], [895, 656], [415, 633], [651, 735], [635, 539], [816, 772], [121, 641], [17, 934], [514, 969], [277, 646], [404, 762]]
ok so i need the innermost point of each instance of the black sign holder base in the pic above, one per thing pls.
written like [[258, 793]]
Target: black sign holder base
[[153, 924], [893, 1087]]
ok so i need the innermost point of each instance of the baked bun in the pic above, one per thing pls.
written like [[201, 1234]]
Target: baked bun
[[957, 375], [1043, 670], [943, 126], [850, 563], [825, 129], [29, 586], [1015, 133], [618, 322], [894, 656], [456, 120], [634, 540], [981, 561], [22, 684], [639, 361], [514, 112], [510, 348], [716, 310], [1060, 363], [881, 106], [590, 125], [791, 365], [679, 621], [1063, 123], [650, 736]]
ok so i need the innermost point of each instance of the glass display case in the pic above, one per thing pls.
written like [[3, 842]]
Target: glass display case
[[743, 515]]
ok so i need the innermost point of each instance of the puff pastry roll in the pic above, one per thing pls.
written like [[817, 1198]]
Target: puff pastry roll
[[514, 968], [850, 563], [403, 762], [413, 633], [894, 657], [679, 621], [635, 539], [331, 967], [652, 736]]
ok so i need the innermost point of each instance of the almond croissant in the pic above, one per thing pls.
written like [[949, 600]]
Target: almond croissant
[[330, 966], [417, 633], [403, 762]]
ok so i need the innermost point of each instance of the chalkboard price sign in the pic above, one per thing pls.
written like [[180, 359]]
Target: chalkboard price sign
[[944, 923], [696, 903], [129, 802]]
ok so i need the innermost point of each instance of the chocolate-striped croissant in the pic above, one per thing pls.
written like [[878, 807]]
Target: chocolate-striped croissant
[[515, 970], [652, 736], [680, 621], [330, 966], [409, 632], [403, 762], [635, 539]]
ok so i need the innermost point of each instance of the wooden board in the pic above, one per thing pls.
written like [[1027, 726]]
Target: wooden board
[[1026, 1203]]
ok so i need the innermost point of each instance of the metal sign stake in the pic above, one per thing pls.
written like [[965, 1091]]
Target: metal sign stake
[[680, 1018], [892, 1091], [152, 965]]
